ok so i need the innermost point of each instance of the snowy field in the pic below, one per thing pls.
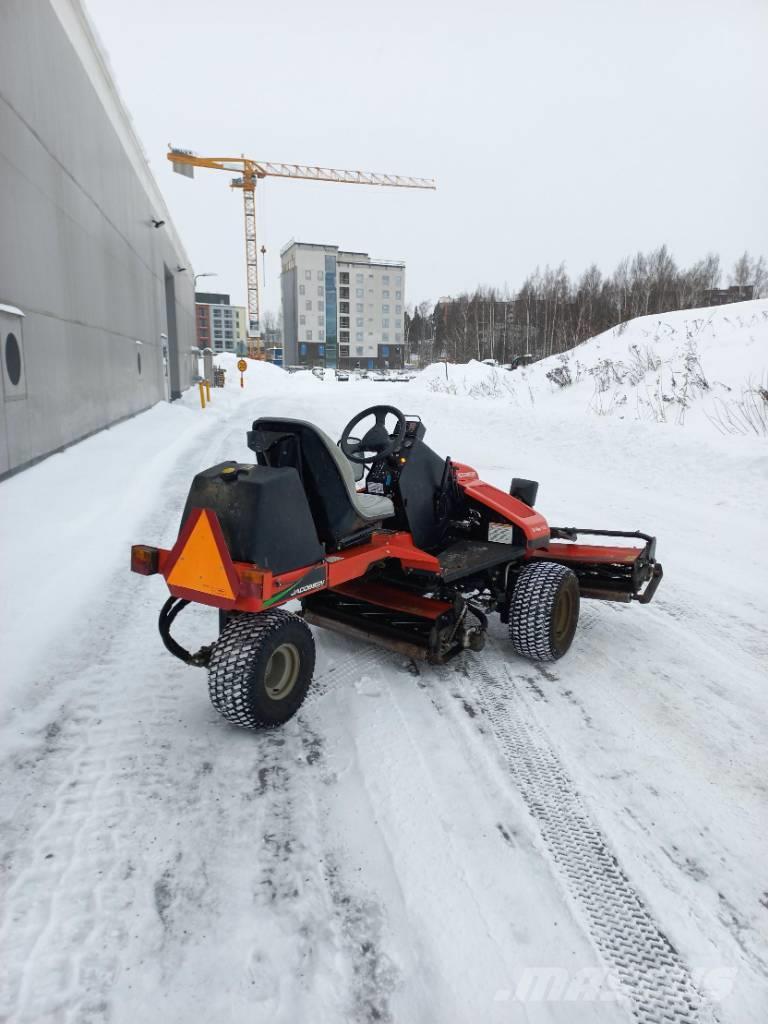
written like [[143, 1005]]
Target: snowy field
[[492, 841]]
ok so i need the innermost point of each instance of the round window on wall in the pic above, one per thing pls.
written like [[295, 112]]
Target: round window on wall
[[13, 359], [138, 361]]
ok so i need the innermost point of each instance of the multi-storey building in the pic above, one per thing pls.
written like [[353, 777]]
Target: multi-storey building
[[220, 326], [341, 308]]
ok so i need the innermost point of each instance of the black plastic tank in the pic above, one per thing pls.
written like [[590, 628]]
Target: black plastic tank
[[263, 513]]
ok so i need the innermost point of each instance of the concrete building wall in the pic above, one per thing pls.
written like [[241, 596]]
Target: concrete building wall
[[108, 318]]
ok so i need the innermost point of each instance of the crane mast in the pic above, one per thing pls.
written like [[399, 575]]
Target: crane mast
[[249, 171]]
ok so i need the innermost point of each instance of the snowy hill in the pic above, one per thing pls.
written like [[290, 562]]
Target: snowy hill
[[706, 366]]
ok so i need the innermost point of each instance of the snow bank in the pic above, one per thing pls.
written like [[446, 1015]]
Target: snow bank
[[704, 365]]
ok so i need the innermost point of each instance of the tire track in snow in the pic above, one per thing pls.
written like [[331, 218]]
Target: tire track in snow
[[105, 775], [652, 974], [90, 758]]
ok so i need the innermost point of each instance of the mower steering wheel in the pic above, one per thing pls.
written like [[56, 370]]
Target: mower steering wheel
[[377, 439]]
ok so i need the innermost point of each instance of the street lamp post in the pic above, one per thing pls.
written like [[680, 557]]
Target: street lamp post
[[207, 273]]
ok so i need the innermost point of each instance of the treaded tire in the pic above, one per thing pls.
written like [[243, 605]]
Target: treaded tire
[[544, 611], [242, 667]]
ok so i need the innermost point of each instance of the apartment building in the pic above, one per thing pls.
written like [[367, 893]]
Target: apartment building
[[341, 308], [220, 325]]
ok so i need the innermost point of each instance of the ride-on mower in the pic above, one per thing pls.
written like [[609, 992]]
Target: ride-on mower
[[415, 561]]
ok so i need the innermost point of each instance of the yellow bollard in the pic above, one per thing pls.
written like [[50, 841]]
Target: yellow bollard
[[202, 395], [208, 390]]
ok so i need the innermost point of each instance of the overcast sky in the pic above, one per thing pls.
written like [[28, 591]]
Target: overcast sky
[[571, 130]]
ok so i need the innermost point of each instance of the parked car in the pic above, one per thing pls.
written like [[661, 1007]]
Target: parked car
[[342, 375]]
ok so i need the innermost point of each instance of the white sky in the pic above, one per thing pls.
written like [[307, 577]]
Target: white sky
[[573, 130]]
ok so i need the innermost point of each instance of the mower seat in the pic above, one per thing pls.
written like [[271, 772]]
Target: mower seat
[[338, 509]]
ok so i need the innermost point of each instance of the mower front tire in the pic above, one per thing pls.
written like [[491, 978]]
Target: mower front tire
[[260, 668], [544, 611]]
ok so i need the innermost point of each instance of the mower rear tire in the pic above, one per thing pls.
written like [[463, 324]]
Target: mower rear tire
[[544, 611], [260, 668]]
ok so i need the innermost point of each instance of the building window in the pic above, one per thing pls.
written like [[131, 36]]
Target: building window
[[308, 304], [398, 310], [385, 323], [358, 335], [218, 334], [398, 281], [344, 351], [385, 350], [343, 293], [320, 321], [343, 277], [359, 322], [344, 336], [227, 334], [385, 337], [359, 307], [218, 344], [302, 319], [344, 321], [385, 294], [343, 307], [359, 350], [385, 279], [309, 335], [302, 289], [359, 278], [359, 293], [319, 275], [229, 345], [398, 336], [320, 290], [307, 275], [321, 350], [302, 349], [398, 295], [385, 308], [321, 335], [320, 305]]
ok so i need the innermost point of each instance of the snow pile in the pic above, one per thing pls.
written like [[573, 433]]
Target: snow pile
[[710, 365], [262, 374]]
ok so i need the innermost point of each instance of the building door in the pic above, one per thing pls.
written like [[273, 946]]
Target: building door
[[173, 338]]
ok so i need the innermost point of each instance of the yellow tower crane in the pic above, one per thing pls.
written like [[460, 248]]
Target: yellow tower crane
[[249, 171]]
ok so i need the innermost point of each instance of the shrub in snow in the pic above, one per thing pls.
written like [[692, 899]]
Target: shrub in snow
[[745, 415], [560, 375]]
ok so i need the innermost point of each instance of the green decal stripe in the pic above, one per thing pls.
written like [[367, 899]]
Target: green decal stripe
[[282, 594]]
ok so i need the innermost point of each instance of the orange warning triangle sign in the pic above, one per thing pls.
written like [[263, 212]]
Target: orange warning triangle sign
[[200, 565]]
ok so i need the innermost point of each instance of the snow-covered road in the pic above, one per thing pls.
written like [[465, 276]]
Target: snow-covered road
[[488, 841]]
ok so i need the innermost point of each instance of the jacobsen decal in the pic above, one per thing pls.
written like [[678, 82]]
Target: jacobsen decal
[[315, 579]]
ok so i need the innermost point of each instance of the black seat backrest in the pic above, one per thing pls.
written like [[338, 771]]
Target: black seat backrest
[[280, 443]]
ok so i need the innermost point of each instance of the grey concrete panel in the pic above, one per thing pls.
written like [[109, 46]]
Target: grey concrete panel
[[78, 253]]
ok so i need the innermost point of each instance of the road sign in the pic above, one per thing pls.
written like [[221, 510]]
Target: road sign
[[242, 365]]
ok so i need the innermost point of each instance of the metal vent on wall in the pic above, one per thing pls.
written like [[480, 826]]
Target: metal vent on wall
[[12, 353]]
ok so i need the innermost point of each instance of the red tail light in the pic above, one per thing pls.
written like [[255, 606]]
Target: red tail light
[[144, 560], [251, 582]]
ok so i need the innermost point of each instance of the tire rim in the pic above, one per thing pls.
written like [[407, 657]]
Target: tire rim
[[562, 615], [282, 671]]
